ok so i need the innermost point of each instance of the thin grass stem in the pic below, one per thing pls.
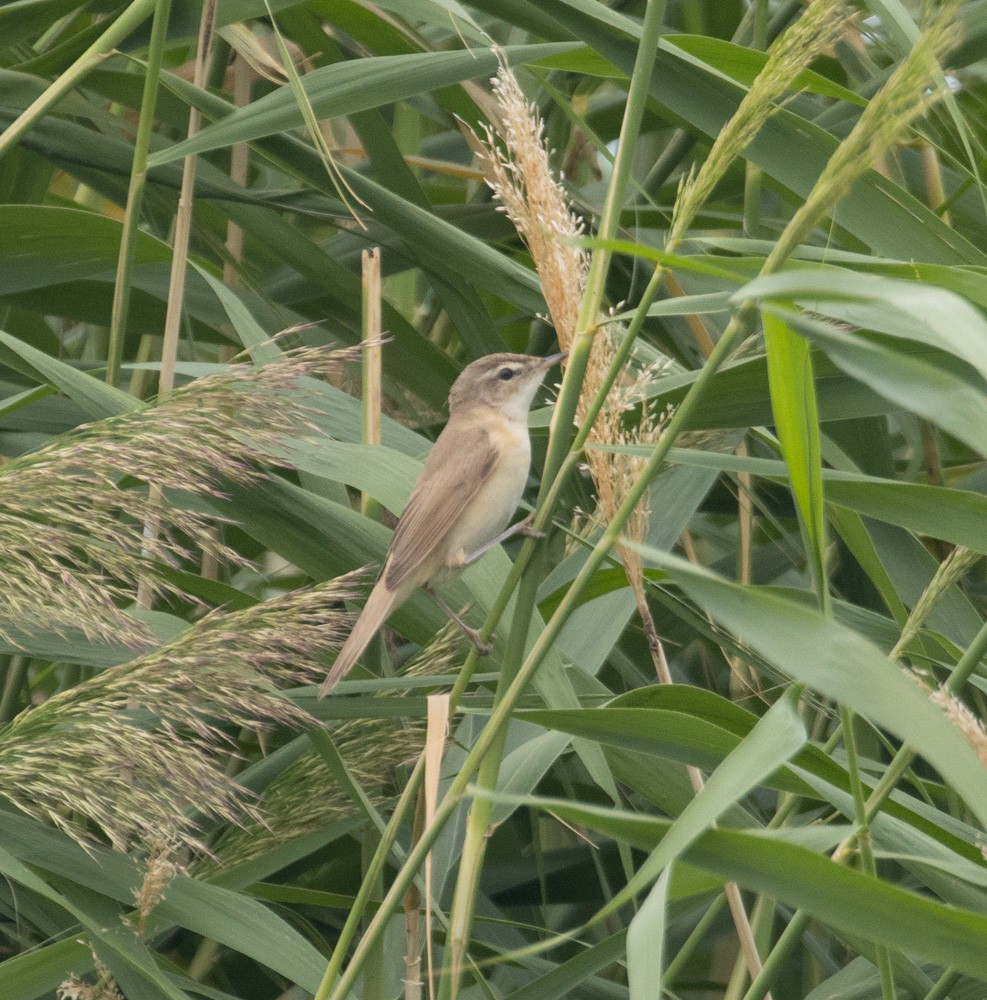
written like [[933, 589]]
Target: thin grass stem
[[682, 956], [179, 260], [135, 193], [15, 675], [776, 958], [945, 983], [138, 12], [474, 847], [502, 711]]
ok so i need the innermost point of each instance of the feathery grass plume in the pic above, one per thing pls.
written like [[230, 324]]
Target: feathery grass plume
[[160, 869], [949, 572], [520, 175], [965, 721], [138, 747], [614, 474], [914, 86], [820, 25], [522, 179], [305, 797], [105, 987], [72, 547]]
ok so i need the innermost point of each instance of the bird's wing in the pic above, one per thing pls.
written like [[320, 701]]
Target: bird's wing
[[451, 478]]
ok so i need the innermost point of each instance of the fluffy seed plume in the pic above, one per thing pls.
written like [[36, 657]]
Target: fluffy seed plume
[[305, 797], [614, 473], [820, 25], [140, 746], [519, 172], [948, 573], [159, 871], [964, 720], [908, 93], [521, 177], [72, 546], [105, 987]]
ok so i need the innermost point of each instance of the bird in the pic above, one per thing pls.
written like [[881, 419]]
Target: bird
[[470, 486]]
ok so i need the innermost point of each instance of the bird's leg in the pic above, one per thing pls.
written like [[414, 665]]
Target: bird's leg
[[527, 527], [483, 647], [521, 528]]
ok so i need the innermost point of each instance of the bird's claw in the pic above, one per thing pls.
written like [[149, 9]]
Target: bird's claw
[[483, 646], [527, 528]]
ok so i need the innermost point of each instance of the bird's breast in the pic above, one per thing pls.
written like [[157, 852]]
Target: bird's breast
[[490, 512]]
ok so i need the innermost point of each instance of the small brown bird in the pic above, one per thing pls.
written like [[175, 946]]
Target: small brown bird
[[470, 485]]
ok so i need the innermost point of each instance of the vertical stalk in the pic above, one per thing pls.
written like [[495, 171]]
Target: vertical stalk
[[239, 166], [135, 192], [183, 228], [863, 839], [127, 22], [501, 714], [412, 922], [183, 217], [565, 408], [474, 846], [370, 334], [239, 173], [13, 681]]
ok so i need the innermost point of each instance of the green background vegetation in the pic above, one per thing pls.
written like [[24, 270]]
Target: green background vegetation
[[811, 559]]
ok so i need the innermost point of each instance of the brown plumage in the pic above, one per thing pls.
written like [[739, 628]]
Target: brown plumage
[[470, 485]]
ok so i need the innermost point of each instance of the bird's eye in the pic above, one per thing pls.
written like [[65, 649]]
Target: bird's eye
[[505, 374]]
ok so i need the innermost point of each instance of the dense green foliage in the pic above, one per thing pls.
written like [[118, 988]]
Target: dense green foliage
[[810, 360]]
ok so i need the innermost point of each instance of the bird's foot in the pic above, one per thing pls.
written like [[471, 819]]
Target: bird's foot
[[483, 646], [527, 528]]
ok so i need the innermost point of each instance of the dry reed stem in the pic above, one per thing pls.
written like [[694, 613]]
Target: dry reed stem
[[179, 270], [372, 375], [436, 734]]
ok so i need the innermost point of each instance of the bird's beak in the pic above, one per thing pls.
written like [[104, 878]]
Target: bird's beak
[[554, 359]]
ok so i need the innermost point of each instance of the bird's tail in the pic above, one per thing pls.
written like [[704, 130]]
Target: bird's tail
[[379, 605]]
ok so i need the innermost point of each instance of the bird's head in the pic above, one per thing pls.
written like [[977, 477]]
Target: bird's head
[[507, 382]]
